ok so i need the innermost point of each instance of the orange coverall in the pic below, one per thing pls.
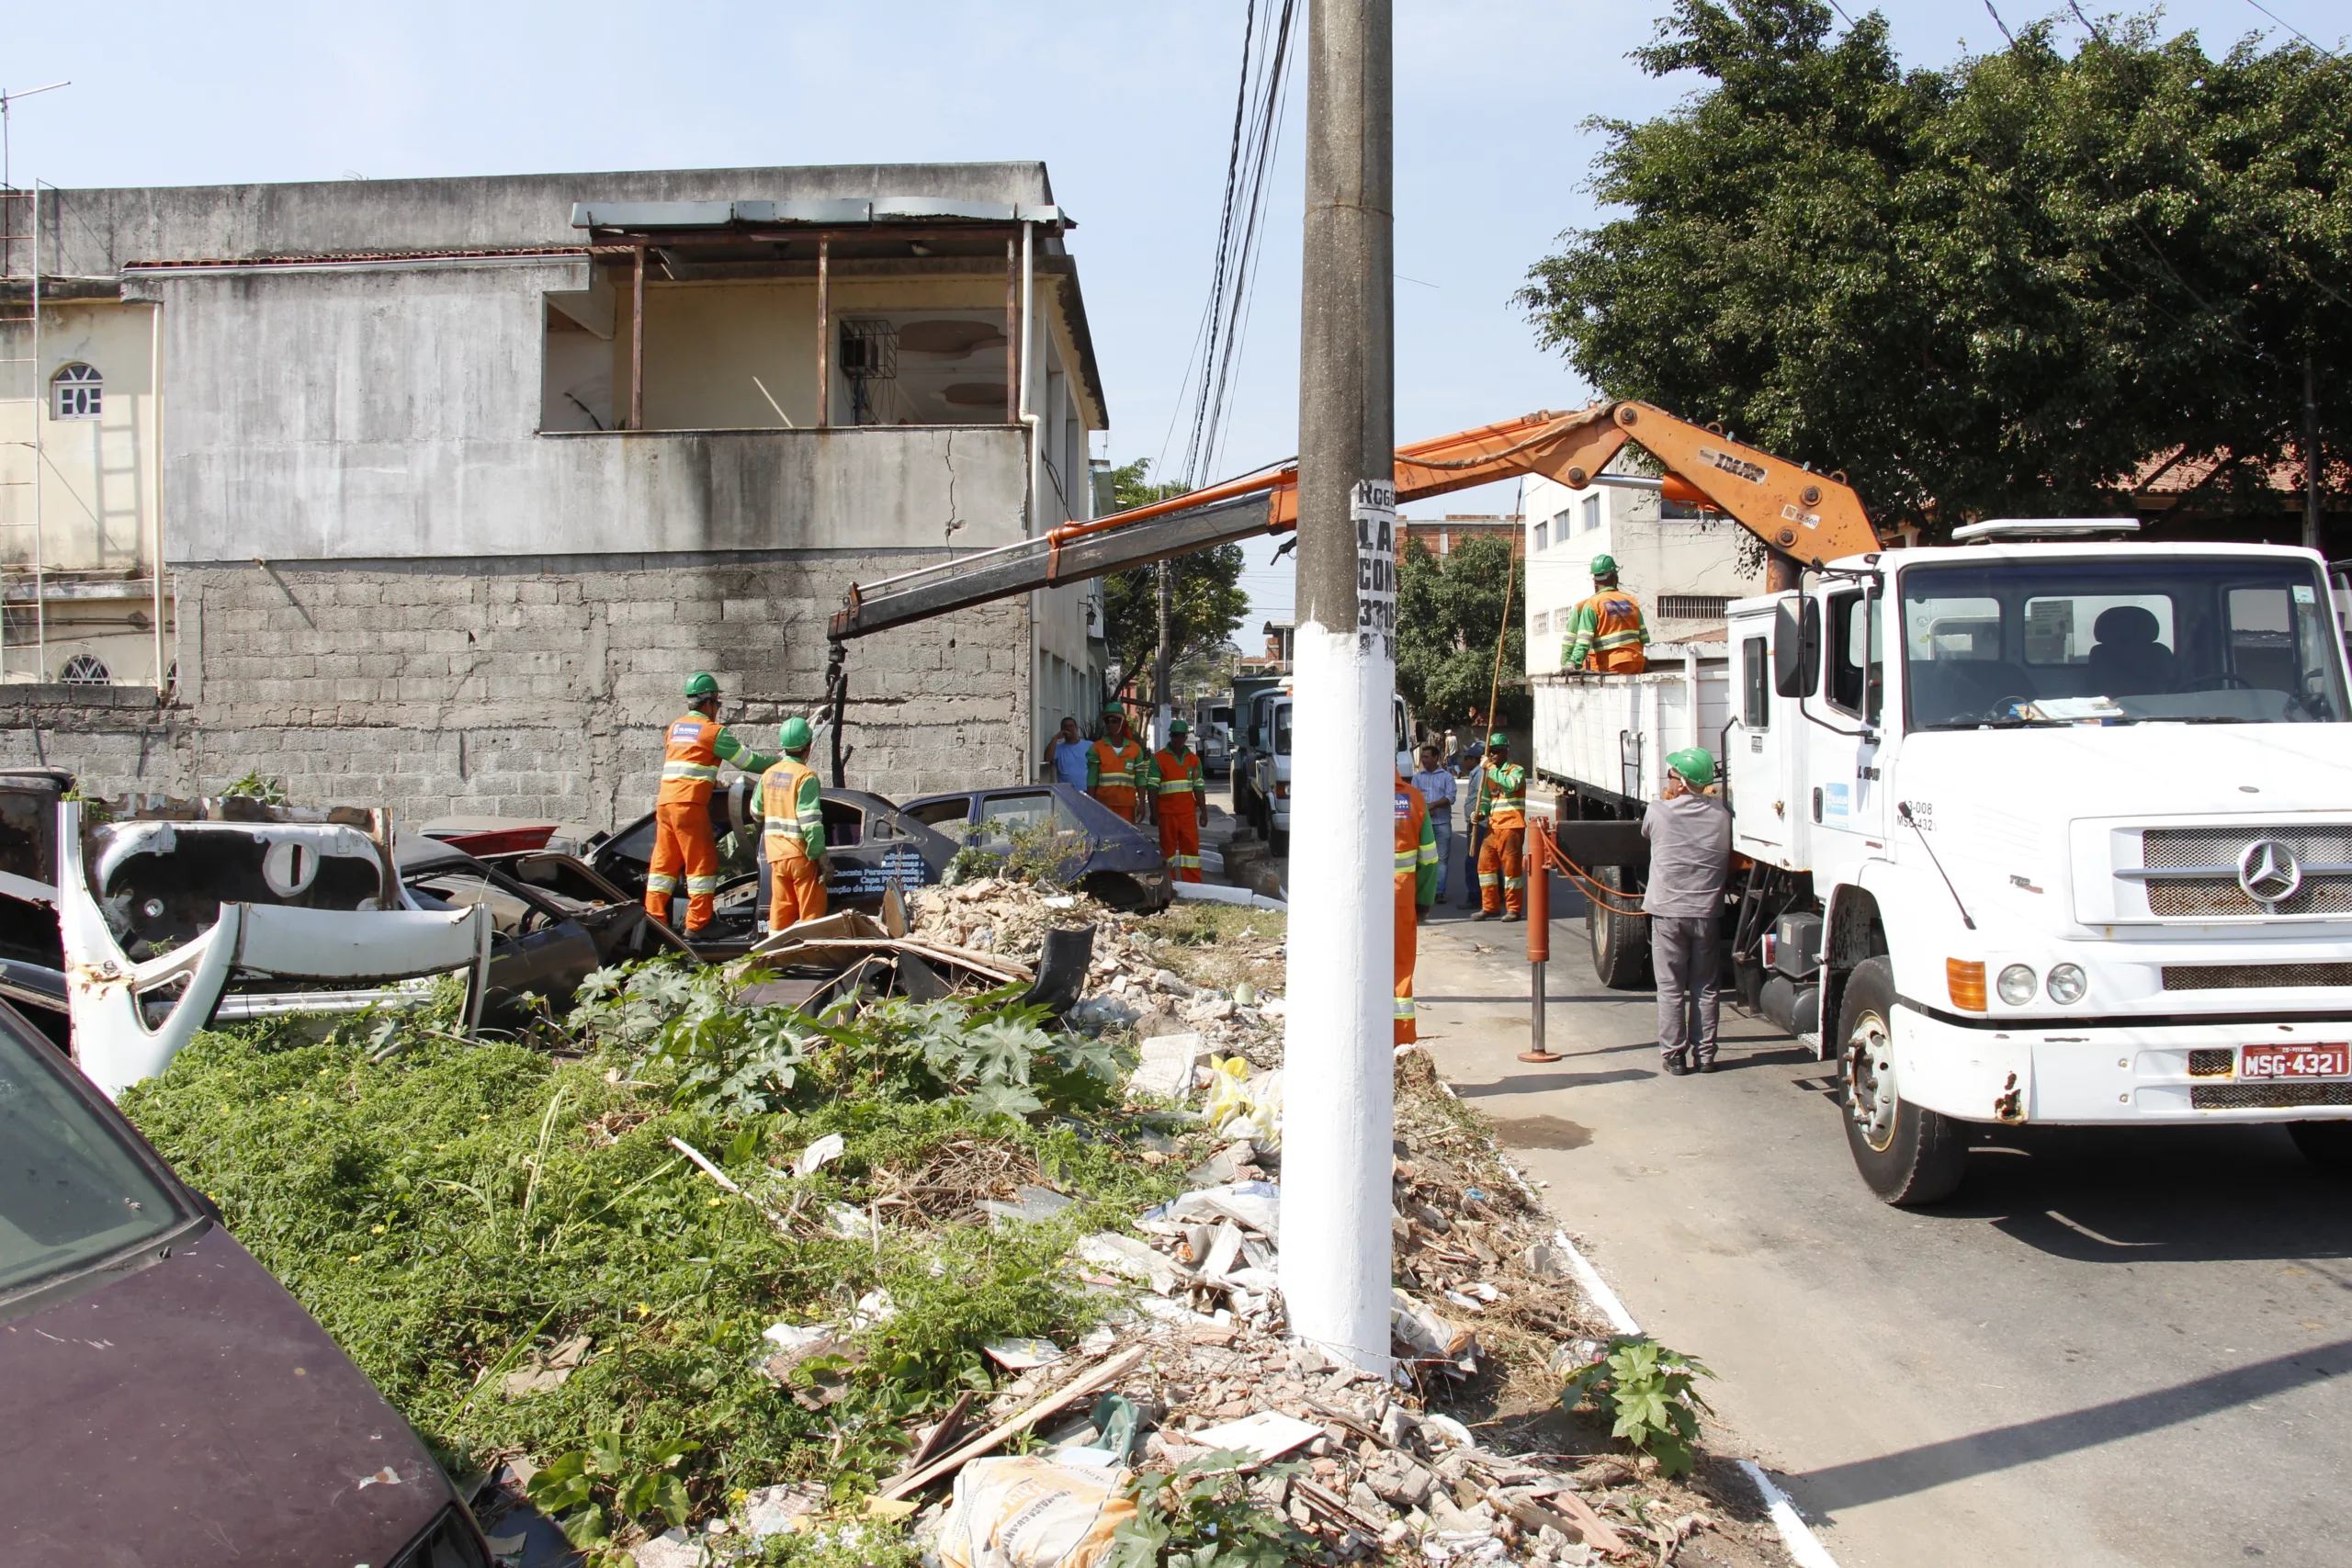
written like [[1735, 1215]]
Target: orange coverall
[[792, 826], [1416, 890], [1179, 793], [1502, 875], [1118, 774], [682, 835]]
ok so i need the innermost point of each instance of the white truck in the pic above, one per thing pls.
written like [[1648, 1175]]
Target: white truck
[[1269, 763], [2043, 826]]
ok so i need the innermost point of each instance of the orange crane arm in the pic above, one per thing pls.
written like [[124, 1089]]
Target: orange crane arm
[[1810, 518]]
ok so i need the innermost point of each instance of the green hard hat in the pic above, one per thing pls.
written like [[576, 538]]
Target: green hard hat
[[1177, 726], [1112, 710], [702, 683], [1497, 739], [795, 735], [1695, 763], [1604, 566]]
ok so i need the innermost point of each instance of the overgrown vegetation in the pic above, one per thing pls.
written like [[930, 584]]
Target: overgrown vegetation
[[454, 1212], [1649, 1395]]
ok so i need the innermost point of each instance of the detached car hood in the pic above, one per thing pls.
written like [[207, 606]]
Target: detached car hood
[[191, 1414]]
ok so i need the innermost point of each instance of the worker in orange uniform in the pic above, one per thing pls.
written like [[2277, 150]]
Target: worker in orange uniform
[[1501, 805], [1609, 634], [1417, 868], [1176, 787], [697, 743], [793, 829], [1118, 769]]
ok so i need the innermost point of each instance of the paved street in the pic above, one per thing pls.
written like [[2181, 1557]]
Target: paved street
[[2110, 1349]]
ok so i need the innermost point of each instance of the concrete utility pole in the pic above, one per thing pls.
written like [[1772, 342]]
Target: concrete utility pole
[[1165, 590], [1340, 1110]]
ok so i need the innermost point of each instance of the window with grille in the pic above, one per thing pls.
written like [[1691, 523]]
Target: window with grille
[[75, 392], [1542, 618], [86, 669], [1691, 607]]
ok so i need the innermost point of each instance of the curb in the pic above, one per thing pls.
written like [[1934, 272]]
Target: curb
[[1805, 1548]]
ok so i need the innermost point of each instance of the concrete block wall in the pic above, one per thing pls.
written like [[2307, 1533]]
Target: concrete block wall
[[530, 687]]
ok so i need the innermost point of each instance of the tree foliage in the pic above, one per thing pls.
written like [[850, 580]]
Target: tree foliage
[[1993, 287], [1448, 611], [1209, 605]]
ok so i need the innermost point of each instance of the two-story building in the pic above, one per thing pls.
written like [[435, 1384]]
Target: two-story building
[[431, 491]]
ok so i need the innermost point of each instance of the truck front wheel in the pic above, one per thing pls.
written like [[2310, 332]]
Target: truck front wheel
[[1906, 1153]]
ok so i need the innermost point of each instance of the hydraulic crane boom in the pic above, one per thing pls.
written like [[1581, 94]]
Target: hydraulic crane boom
[[1800, 515]]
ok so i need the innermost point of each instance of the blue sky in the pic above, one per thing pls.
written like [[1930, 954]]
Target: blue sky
[[1129, 106]]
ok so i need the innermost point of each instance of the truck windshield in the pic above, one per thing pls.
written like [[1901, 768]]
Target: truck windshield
[[2184, 639], [71, 1194]]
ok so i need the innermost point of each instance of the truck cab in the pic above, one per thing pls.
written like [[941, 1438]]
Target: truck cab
[[1270, 764], [2050, 833]]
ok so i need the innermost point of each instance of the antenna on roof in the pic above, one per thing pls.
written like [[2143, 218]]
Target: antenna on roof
[[8, 102], [2026, 528]]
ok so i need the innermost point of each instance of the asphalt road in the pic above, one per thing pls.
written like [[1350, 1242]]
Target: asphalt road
[[2112, 1348]]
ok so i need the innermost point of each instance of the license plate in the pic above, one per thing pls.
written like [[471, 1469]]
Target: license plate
[[2295, 1061]]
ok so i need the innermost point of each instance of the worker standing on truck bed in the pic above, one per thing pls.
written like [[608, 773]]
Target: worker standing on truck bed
[[1117, 767], [792, 811], [1417, 865], [1176, 784], [1690, 835], [697, 744], [1501, 805], [1609, 634]]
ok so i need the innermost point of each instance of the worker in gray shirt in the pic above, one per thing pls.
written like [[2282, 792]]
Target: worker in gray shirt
[[1690, 835]]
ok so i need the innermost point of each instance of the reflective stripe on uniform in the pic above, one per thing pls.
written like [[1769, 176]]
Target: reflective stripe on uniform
[[1617, 639], [1405, 1009], [688, 771], [1423, 854], [661, 884], [1490, 879], [1175, 786], [697, 886], [1408, 862], [1512, 881]]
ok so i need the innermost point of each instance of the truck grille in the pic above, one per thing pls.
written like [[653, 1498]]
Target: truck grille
[[2267, 1096], [2214, 1062], [2192, 849], [2250, 977]]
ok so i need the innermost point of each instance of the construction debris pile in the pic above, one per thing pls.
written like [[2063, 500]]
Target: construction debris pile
[[919, 1275]]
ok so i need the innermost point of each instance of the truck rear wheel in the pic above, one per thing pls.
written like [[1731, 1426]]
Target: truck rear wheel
[[2327, 1145], [1906, 1155], [1621, 943]]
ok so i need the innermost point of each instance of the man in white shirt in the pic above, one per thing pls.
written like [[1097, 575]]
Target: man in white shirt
[[1437, 787]]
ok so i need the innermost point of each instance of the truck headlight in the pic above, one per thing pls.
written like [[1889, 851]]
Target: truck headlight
[[2067, 983], [2016, 984]]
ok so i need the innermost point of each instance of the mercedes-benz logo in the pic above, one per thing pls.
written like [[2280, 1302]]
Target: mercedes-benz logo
[[2268, 873]]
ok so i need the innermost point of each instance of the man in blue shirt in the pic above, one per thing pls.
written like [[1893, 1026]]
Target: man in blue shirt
[[1437, 787], [1066, 753]]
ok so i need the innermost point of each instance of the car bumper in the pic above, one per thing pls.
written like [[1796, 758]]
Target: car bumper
[[2118, 1074]]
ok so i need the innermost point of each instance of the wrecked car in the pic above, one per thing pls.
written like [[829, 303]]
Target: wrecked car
[[1109, 858], [128, 929], [871, 843], [553, 920], [168, 1399]]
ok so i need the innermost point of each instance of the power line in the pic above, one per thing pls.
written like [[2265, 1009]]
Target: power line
[[2291, 26]]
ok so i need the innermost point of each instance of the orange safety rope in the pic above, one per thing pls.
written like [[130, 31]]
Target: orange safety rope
[[1592, 888]]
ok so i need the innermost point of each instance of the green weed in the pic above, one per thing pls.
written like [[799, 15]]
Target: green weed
[[1649, 1393]]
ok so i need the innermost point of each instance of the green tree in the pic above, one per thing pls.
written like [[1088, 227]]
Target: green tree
[[1996, 286], [1209, 605], [1448, 611]]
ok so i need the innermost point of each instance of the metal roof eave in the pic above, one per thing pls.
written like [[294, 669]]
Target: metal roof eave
[[670, 216]]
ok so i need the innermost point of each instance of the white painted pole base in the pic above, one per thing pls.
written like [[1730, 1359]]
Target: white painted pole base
[[1338, 1097]]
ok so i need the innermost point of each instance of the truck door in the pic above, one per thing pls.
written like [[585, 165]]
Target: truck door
[[1756, 750], [1843, 791]]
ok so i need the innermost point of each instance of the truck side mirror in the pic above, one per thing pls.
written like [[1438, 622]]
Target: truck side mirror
[[1796, 648]]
